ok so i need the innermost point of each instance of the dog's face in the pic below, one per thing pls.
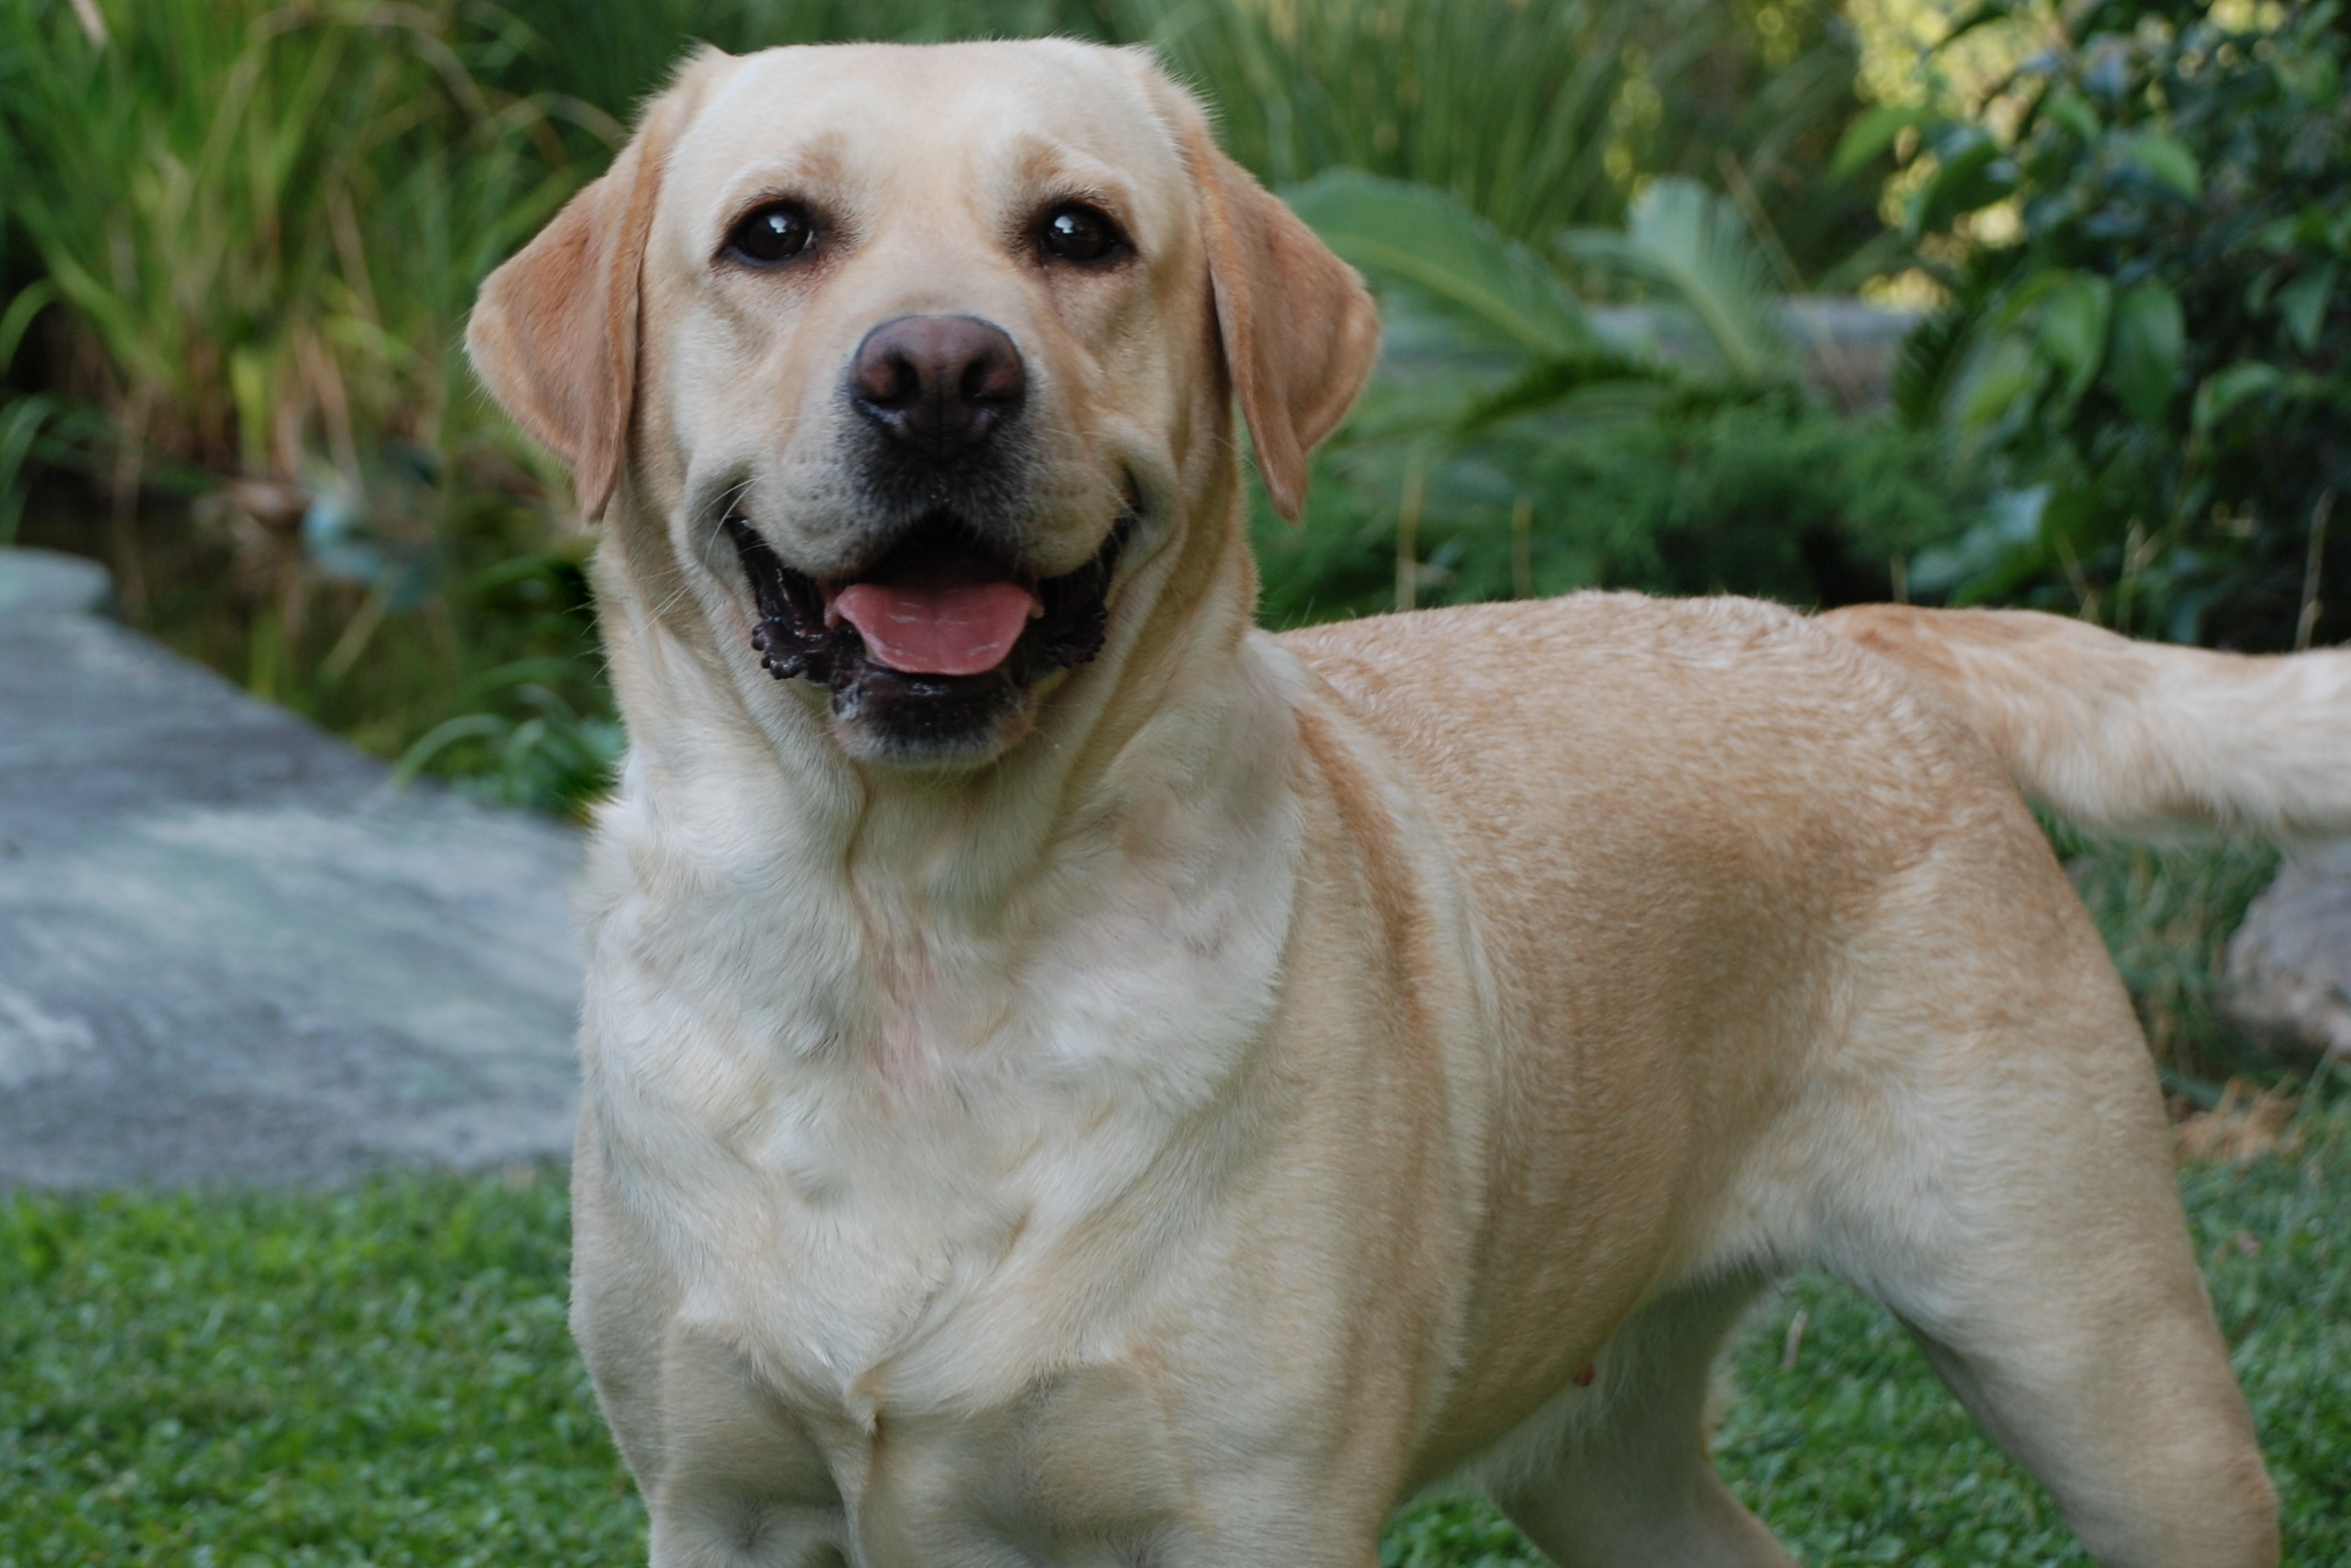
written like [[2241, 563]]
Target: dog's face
[[913, 350]]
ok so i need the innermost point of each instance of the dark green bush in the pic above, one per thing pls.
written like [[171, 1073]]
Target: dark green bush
[[1695, 493], [1517, 441], [2157, 364]]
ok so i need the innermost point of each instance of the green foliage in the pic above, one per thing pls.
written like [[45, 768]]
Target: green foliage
[[556, 753], [263, 220], [259, 228], [613, 55], [2167, 914], [1538, 113], [1520, 441], [2158, 366], [1535, 116], [1690, 249], [381, 1377]]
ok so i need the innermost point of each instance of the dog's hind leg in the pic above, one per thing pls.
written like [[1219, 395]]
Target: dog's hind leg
[[1626, 1481], [2016, 1208], [2084, 1345]]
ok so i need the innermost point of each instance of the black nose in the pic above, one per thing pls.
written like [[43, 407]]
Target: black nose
[[941, 382]]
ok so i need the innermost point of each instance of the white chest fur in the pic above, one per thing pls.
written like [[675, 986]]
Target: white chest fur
[[867, 1095]]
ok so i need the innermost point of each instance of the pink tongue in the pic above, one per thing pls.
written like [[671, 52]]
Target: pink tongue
[[961, 629]]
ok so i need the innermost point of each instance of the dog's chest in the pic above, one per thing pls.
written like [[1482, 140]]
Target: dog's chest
[[908, 1207], [891, 1310]]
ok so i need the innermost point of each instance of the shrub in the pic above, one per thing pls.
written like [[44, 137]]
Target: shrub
[[1517, 441], [2157, 366]]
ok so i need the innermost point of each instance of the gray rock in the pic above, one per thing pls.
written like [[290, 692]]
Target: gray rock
[[38, 580], [2290, 962], [229, 950]]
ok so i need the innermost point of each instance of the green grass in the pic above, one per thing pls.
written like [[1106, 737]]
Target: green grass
[[2167, 914], [381, 1375], [378, 1375]]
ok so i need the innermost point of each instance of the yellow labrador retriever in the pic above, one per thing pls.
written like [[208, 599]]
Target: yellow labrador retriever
[[1072, 1079]]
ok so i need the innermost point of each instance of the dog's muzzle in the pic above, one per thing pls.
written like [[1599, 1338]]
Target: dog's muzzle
[[938, 619]]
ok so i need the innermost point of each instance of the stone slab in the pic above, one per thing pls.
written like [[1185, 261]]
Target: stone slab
[[229, 950], [2290, 962], [51, 580]]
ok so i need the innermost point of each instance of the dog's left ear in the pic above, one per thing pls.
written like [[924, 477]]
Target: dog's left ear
[[1301, 333], [554, 332]]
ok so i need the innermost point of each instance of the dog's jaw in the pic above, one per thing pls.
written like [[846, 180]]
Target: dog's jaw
[[916, 720]]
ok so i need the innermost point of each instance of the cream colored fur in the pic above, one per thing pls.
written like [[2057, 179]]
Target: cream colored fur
[[1255, 1091], [2133, 737]]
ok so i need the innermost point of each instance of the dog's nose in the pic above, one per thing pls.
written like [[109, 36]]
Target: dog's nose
[[938, 381]]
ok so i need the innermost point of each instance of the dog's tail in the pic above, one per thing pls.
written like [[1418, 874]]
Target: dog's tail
[[2136, 738]]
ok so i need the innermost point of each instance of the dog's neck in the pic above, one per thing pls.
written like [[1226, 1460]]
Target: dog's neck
[[1151, 807]]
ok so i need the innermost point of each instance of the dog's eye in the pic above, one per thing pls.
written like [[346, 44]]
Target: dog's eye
[[775, 232], [1075, 232]]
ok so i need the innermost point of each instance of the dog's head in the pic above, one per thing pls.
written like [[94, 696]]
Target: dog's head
[[908, 356]]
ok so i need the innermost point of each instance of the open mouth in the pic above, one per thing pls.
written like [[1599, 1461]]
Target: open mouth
[[939, 620]]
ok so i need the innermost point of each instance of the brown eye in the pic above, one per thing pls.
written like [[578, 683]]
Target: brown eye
[[1075, 232], [775, 232]]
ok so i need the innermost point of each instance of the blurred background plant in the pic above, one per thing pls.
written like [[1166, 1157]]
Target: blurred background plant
[[253, 232], [1640, 406], [2154, 362]]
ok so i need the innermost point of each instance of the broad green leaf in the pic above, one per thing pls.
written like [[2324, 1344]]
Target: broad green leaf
[[2303, 304], [1933, 359], [1550, 383], [2012, 528], [2224, 390], [19, 315], [2308, 75], [21, 419], [2149, 338], [1972, 174], [2071, 110], [2168, 161], [2073, 317], [1994, 380], [1871, 134], [1689, 248], [1399, 232]]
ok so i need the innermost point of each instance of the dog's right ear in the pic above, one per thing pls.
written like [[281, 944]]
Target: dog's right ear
[[554, 332], [1298, 328]]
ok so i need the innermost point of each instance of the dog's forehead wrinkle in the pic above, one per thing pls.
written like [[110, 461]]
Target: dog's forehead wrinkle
[[819, 168], [1051, 170], [924, 110]]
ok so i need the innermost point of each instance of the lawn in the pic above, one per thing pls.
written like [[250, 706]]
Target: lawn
[[380, 1376]]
